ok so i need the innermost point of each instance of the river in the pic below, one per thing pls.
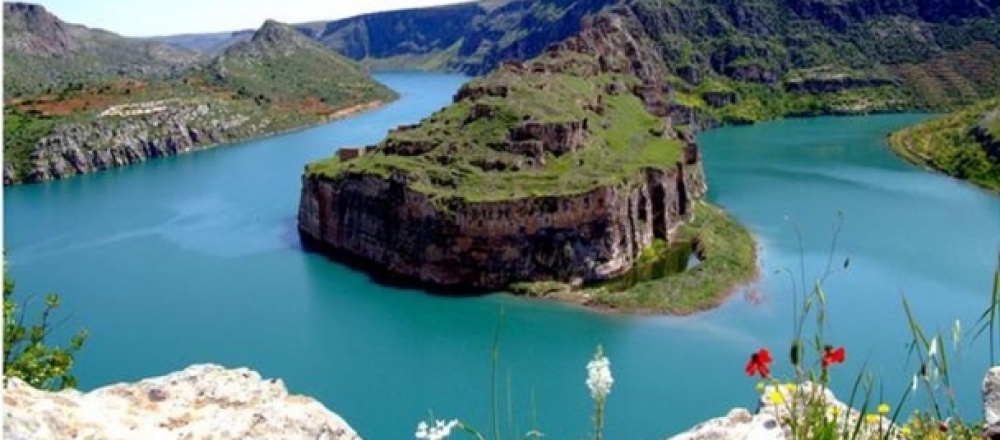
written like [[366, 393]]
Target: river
[[195, 259]]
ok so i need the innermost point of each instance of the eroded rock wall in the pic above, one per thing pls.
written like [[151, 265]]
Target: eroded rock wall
[[591, 236], [110, 142]]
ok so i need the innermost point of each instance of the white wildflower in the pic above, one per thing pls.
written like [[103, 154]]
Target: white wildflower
[[599, 378], [441, 430], [913, 384], [933, 348], [956, 333]]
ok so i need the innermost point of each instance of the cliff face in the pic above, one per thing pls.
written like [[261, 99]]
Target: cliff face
[[202, 401], [277, 80], [587, 237], [109, 141], [563, 168]]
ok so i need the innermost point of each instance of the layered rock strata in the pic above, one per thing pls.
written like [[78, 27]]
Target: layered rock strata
[[591, 236], [408, 206]]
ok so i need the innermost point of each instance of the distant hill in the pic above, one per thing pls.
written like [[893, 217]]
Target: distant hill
[[80, 100], [471, 38], [916, 53], [280, 64], [40, 51]]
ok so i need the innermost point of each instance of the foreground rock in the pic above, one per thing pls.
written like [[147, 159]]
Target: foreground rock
[[202, 401], [788, 402], [991, 404]]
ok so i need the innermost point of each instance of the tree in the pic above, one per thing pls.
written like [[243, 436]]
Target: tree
[[26, 353]]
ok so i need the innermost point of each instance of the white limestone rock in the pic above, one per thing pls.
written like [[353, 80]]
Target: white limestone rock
[[739, 424], [782, 403], [202, 401], [991, 403]]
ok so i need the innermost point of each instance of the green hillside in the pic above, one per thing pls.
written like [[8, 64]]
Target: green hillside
[[281, 66], [80, 100], [42, 52], [964, 144]]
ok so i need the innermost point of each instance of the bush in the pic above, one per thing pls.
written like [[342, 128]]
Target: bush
[[26, 353]]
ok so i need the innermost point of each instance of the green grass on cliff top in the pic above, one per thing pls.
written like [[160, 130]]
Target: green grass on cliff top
[[620, 143]]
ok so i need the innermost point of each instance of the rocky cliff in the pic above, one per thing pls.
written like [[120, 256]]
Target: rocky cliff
[[586, 237], [898, 53], [562, 168], [275, 81], [113, 141], [202, 401]]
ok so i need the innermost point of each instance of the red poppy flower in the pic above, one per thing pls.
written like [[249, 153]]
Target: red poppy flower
[[760, 364], [832, 356]]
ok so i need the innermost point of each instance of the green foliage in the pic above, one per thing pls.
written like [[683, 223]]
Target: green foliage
[[20, 133], [619, 143], [282, 66], [947, 144], [28, 355], [729, 258]]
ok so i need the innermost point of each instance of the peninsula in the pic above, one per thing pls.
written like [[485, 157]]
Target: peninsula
[[557, 173]]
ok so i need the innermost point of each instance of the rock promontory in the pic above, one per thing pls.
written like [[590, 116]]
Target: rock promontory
[[202, 401], [562, 168]]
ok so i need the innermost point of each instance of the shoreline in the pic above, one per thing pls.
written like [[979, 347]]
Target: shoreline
[[343, 113], [903, 149], [596, 299], [721, 230]]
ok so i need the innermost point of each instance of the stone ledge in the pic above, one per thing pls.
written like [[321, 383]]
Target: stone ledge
[[202, 401]]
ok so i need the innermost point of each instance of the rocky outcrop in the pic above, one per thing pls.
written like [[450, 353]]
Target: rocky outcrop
[[111, 141], [991, 404], [591, 236], [779, 404], [202, 401], [390, 214]]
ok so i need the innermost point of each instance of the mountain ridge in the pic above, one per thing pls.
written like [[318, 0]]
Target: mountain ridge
[[65, 117]]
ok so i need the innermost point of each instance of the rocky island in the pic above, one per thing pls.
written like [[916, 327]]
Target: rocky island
[[569, 169]]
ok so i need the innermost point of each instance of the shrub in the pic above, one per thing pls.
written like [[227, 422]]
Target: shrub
[[27, 353]]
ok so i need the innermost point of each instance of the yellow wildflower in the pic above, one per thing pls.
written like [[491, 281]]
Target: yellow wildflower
[[872, 418], [776, 397], [883, 409], [790, 387], [905, 430], [835, 410]]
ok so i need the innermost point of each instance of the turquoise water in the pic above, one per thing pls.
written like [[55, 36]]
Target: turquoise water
[[195, 259]]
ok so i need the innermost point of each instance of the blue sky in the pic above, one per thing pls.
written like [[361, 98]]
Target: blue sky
[[166, 17]]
